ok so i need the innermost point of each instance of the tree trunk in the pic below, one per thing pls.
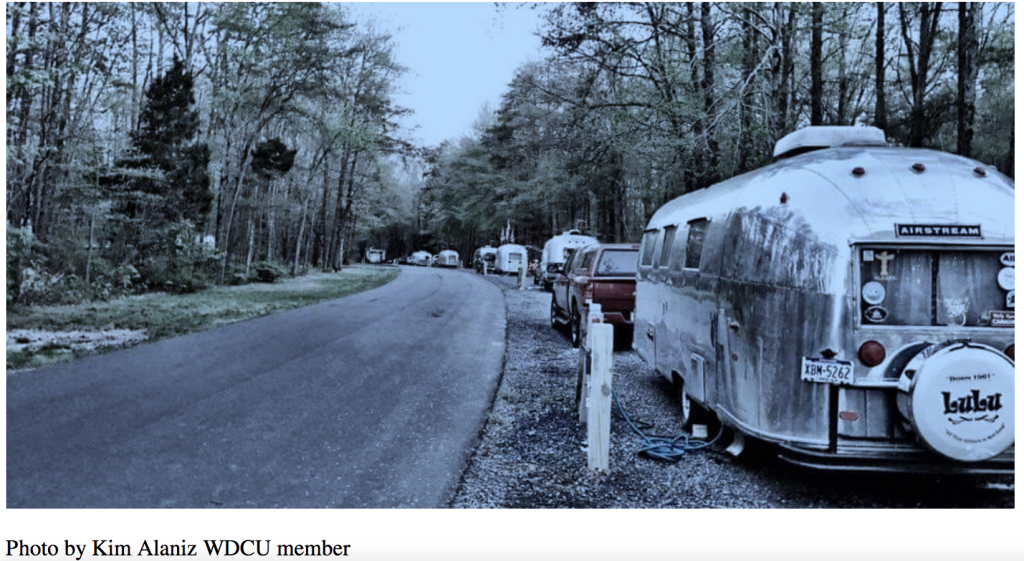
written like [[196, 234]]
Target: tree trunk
[[708, 86], [967, 76], [817, 105], [918, 65], [270, 221], [749, 62], [881, 120]]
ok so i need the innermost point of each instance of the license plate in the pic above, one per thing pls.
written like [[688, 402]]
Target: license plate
[[826, 371]]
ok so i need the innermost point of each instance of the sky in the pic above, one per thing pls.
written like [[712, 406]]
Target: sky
[[459, 55]]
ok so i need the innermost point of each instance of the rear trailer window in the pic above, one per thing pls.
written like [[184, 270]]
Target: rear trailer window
[[617, 263], [936, 287]]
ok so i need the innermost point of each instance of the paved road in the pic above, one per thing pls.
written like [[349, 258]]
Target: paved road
[[374, 400]]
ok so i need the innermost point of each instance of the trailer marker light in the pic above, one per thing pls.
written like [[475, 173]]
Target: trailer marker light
[[871, 353], [858, 171], [849, 415], [918, 167], [783, 198], [1009, 351]]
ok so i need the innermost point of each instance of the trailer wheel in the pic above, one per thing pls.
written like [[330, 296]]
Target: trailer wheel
[[687, 407]]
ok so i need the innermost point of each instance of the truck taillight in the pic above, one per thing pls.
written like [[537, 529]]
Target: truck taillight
[[871, 353], [1009, 352], [588, 292]]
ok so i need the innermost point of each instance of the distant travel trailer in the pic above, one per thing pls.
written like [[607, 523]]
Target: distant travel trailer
[[421, 258], [851, 304], [375, 256], [448, 258], [484, 256], [556, 253], [509, 258]]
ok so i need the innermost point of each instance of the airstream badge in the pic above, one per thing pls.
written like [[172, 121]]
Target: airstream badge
[[939, 230], [1006, 259], [876, 314]]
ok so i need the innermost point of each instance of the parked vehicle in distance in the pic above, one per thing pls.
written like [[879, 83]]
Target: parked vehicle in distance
[[509, 258], [604, 274], [851, 304], [484, 257], [375, 256], [421, 258], [556, 254], [448, 258]]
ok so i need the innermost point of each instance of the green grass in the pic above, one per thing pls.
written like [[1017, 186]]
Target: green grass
[[168, 315]]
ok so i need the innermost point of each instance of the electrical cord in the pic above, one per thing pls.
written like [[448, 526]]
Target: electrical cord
[[664, 448]]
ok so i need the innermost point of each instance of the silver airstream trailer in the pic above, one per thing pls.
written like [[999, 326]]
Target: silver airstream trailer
[[852, 304], [375, 256], [557, 250], [421, 258], [509, 258], [448, 258], [483, 259]]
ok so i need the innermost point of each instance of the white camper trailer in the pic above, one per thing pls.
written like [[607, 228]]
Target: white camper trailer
[[852, 305], [421, 258], [556, 252], [448, 258], [375, 256], [509, 258], [483, 259]]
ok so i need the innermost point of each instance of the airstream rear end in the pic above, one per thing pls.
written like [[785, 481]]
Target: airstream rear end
[[421, 258], [509, 258], [853, 305], [375, 256], [448, 258]]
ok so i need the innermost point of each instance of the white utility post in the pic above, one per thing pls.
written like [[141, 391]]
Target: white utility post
[[596, 398]]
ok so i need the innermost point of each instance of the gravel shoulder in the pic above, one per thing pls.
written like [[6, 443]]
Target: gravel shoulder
[[532, 455]]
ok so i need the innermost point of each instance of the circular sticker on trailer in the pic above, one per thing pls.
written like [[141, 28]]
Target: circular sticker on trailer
[[1005, 278], [876, 314], [873, 292], [961, 400]]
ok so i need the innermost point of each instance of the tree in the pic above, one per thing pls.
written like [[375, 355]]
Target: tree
[[817, 103], [881, 120], [163, 192], [967, 75]]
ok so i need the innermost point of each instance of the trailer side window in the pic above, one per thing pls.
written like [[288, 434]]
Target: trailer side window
[[647, 253], [695, 242], [666, 246]]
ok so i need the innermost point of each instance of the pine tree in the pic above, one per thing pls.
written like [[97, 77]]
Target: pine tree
[[165, 141], [162, 190]]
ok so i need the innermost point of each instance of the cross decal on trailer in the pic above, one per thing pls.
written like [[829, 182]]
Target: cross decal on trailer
[[884, 257]]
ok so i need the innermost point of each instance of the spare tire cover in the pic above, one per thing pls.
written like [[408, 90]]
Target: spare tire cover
[[958, 397]]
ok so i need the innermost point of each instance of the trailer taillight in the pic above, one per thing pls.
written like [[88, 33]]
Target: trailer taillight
[[1009, 352], [871, 353]]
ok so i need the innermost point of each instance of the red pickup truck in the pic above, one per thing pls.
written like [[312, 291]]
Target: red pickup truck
[[604, 274]]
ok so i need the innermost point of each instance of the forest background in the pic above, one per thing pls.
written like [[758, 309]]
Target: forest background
[[172, 146]]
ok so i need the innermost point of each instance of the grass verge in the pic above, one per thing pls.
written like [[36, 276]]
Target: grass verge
[[168, 315]]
